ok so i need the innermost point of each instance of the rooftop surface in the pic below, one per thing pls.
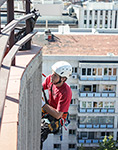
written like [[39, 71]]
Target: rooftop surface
[[78, 44]]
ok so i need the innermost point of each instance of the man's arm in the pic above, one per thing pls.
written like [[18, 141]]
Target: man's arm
[[52, 111]]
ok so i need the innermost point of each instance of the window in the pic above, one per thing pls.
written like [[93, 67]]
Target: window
[[111, 104], [102, 133], [100, 104], [105, 71], [72, 117], [101, 12], [106, 104], [73, 87], [95, 22], [88, 71], [94, 104], [57, 146], [73, 101], [74, 69], [90, 12], [72, 132], [96, 12], [110, 71], [95, 120], [94, 88], [91, 135], [99, 71], [83, 104], [110, 120], [114, 71], [85, 12], [90, 21], [106, 13], [83, 135], [89, 104], [85, 22], [83, 71], [94, 71], [108, 88], [106, 133], [88, 120], [87, 88], [82, 119], [72, 146], [101, 23], [102, 120]]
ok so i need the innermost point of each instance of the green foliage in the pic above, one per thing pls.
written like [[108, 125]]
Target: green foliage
[[82, 148], [108, 144]]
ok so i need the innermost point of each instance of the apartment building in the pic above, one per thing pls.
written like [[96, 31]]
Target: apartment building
[[93, 110], [94, 83], [97, 109], [98, 15]]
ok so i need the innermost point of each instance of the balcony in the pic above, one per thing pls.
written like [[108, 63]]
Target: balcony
[[95, 126], [89, 141], [97, 78], [93, 94], [89, 110], [96, 110]]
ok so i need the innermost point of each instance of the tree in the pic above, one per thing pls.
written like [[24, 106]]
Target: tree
[[108, 144]]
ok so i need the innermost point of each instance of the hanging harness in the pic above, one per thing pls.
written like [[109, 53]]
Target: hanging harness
[[54, 124]]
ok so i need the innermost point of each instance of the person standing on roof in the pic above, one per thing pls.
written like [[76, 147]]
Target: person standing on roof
[[60, 95]]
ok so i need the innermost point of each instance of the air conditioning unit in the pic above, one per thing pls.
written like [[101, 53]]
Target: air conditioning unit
[[74, 76]]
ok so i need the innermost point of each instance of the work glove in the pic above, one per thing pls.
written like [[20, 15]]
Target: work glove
[[43, 102]]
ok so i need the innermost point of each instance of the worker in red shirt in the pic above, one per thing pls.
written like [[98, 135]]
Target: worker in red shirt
[[60, 95]]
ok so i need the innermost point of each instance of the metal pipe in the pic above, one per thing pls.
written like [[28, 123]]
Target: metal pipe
[[28, 30], [10, 17]]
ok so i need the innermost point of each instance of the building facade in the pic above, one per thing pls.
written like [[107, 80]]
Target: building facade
[[93, 110], [98, 15]]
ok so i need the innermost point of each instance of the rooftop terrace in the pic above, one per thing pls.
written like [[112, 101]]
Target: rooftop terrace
[[78, 44]]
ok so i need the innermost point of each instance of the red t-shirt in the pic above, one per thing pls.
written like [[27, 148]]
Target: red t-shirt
[[59, 97]]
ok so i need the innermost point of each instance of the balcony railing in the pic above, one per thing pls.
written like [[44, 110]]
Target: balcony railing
[[104, 78], [88, 141], [96, 126], [97, 94], [96, 110]]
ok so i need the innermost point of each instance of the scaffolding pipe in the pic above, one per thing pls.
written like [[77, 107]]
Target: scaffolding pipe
[[10, 17]]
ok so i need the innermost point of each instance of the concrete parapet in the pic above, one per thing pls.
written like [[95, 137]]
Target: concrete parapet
[[30, 106]]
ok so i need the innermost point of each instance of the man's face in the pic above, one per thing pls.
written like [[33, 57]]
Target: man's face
[[55, 78]]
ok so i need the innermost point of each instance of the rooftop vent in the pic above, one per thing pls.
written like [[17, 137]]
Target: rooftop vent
[[110, 54]]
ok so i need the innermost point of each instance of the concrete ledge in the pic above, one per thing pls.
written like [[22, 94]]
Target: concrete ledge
[[8, 135]]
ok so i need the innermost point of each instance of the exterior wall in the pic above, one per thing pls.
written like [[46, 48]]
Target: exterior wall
[[49, 8], [76, 61], [98, 15], [30, 106]]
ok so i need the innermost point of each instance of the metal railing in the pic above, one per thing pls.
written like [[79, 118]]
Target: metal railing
[[97, 94], [5, 62], [103, 78], [96, 126], [90, 141], [30, 89], [96, 110]]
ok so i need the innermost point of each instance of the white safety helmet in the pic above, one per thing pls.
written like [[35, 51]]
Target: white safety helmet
[[62, 68]]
